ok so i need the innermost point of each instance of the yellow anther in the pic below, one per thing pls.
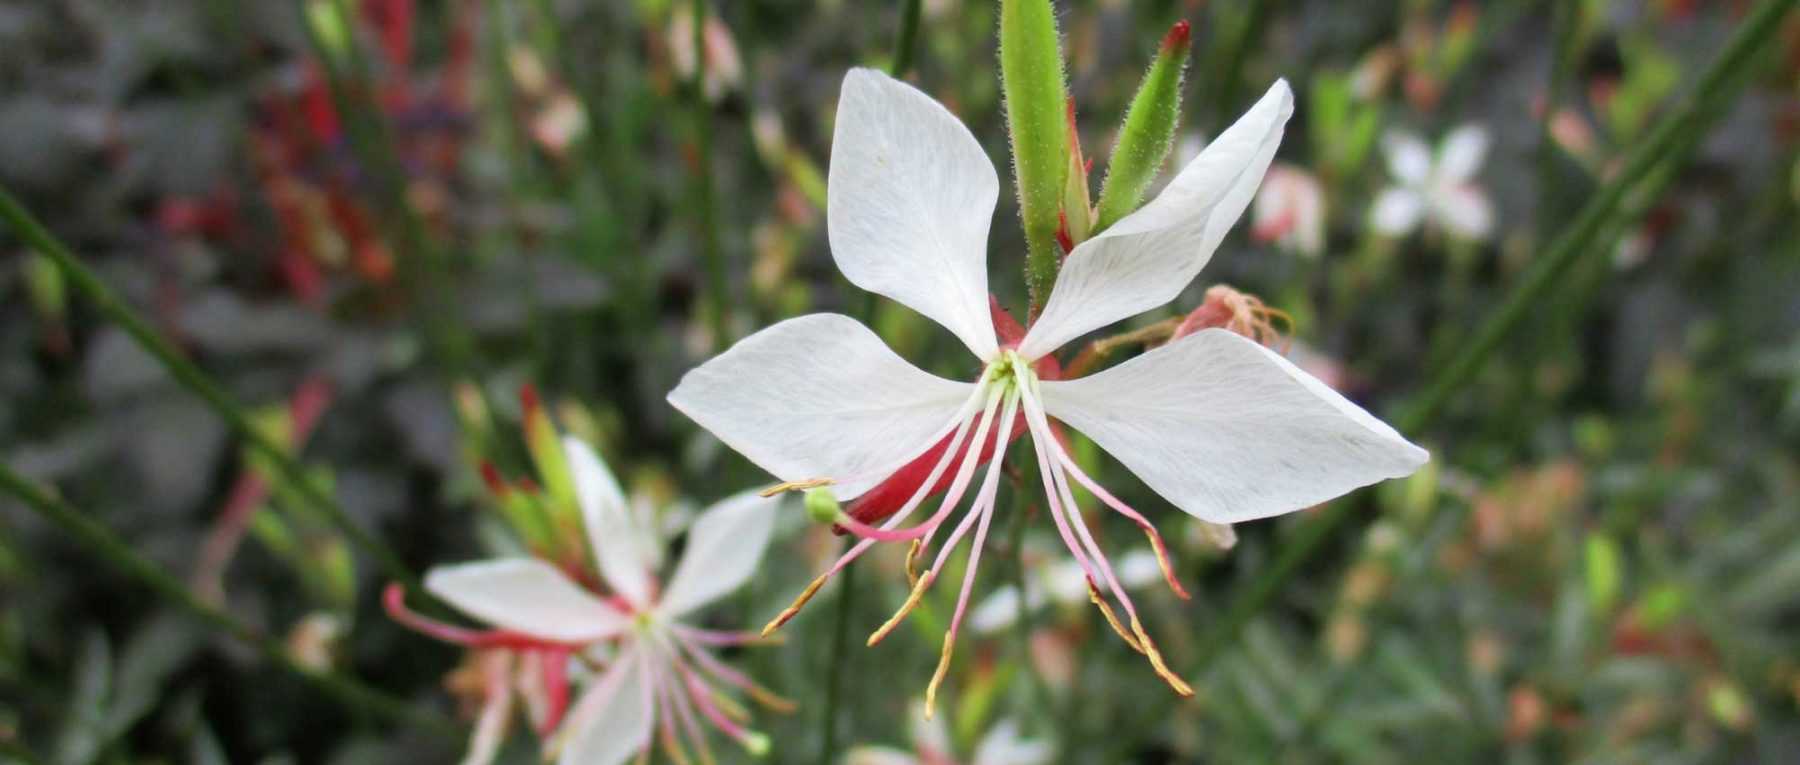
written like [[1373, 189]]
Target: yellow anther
[[794, 608], [802, 485], [937, 676], [1156, 661], [771, 700], [1163, 561], [1112, 618], [912, 558], [912, 601]]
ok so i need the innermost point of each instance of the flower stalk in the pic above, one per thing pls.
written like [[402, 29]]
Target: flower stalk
[[117, 552]]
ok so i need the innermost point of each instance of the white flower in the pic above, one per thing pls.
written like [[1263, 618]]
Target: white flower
[[658, 670], [1437, 188], [1290, 210], [1216, 424], [931, 746]]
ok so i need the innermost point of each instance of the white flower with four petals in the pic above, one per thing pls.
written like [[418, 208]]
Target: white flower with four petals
[[1219, 426]]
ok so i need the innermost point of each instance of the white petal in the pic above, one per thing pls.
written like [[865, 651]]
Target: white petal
[[1149, 256], [820, 396], [1408, 158], [612, 722], [1464, 211], [723, 548], [612, 533], [1462, 153], [525, 595], [1003, 746], [1396, 211], [1228, 431], [909, 199]]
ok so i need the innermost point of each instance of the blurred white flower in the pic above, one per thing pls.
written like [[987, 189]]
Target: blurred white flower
[[1062, 582], [1220, 426], [1290, 210], [931, 746], [1437, 188], [658, 670]]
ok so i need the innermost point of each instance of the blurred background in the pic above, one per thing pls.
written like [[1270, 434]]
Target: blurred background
[[387, 227]]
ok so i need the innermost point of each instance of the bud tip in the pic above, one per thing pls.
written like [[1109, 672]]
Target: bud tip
[[1177, 36]]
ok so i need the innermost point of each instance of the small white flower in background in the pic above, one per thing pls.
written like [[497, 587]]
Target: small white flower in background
[[1437, 188], [1063, 582], [1290, 211], [931, 746], [724, 69], [1218, 425], [658, 671]]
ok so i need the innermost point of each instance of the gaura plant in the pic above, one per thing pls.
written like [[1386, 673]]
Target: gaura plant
[[1216, 424], [648, 672]]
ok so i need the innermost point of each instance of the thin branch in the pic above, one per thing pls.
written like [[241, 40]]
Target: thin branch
[[117, 552]]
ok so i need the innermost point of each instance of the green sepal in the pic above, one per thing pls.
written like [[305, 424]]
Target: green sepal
[[1148, 132]]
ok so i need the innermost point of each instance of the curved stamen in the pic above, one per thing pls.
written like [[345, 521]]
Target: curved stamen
[[990, 485], [964, 471], [666, 717], [1034, 414], [962, 599], [1093, 487], [725, 674]]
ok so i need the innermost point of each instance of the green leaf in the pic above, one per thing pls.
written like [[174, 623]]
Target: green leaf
[[1149, 130], [1031, 76]]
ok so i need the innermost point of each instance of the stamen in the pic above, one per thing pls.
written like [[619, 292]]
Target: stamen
[[683, 707], [986, 508], [800, 485], [912, 601], [1112, 618], [799, 602], [769, 699], [898, 517], [952, 496], [912, 558], [1156, 660], [671, 739], [990, 485], [1040, 424], [1156, 541]]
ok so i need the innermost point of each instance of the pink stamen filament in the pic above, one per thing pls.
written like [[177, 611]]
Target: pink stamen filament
[[1034, 414], [952, 496], [666, 717], [1093, 487]]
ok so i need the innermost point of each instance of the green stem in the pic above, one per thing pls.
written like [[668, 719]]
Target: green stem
[[903, 44], [117, 552], [1672, 141], [287, 470], [717, 278], [834, 680]]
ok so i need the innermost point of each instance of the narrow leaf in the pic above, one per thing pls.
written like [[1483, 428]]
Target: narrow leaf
[[1149, 130]]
